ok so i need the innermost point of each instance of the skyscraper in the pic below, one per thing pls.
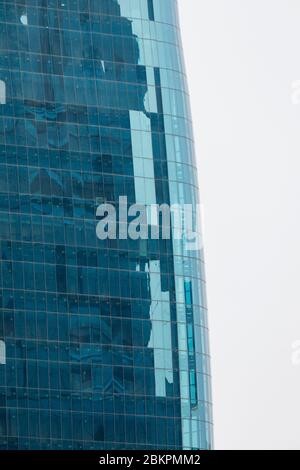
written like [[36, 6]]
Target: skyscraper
[[103, 342]]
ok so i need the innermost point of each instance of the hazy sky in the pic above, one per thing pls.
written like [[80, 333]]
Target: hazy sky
[[243, 61]]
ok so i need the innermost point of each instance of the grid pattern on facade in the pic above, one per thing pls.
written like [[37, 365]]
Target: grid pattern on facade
[[105, 341]]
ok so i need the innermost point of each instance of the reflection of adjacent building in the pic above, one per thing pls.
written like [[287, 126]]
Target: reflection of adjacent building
[[106, 342]]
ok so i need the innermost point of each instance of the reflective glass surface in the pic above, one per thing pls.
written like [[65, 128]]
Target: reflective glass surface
[[106, 342]]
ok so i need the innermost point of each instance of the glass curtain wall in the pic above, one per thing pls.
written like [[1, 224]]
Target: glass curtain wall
[[105, 341]]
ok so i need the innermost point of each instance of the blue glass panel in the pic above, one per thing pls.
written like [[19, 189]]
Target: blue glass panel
[[105, 341]]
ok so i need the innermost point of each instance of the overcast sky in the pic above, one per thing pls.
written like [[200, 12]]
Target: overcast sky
[[243, 61]]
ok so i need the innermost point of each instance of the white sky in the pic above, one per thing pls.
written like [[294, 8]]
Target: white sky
[[242, 57]]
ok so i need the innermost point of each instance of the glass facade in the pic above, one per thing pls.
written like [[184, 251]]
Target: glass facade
[[105, 341]]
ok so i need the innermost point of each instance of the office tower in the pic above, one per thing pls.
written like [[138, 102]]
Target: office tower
[[103, 341]]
